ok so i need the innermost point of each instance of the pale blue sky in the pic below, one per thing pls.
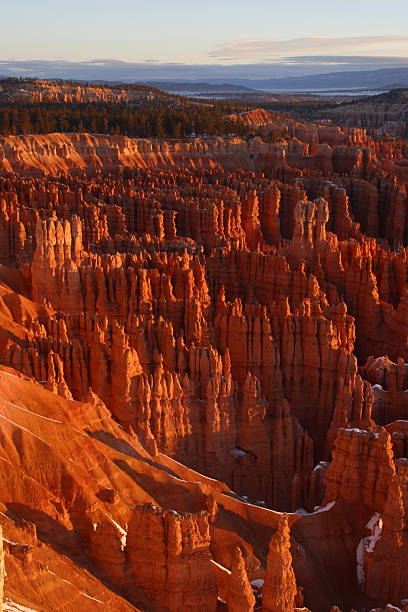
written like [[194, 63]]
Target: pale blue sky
[[212, 31]]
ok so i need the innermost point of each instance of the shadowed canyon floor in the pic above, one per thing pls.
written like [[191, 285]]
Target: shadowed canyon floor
[[203, 371]]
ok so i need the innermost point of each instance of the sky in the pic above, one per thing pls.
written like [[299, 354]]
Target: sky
[[269, 33]]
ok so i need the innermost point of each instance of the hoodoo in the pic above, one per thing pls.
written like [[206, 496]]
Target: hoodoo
[[203, 361]]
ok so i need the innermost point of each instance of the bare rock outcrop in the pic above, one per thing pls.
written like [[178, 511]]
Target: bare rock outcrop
[[168, 557], [279, 590]]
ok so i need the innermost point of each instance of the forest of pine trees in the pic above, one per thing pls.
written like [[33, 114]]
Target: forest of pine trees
[[158, 118]]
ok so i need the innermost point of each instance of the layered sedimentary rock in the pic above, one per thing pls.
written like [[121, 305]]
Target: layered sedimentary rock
[[389, 384], [385, 113], [168, 557], [240, 596], [364, 474], [362, 468], [256, 118], [385, 578], [1, 569], [279, 590], [196, 336]]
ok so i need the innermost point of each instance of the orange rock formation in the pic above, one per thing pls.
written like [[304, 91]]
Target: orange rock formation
[[279, 591], [196, 337]]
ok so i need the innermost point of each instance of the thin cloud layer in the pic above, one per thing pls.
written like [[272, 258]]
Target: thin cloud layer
[[264, 49]]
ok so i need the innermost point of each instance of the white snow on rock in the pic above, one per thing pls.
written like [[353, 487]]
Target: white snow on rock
[[123, 532], [326, 508], [355, 430], [368, 543], [375, 524], [11, 606], [40, 416], [93, 598], [360, 562], [322, 465]]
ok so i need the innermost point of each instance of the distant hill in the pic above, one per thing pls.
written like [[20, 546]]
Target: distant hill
[[58, 90], [47, 106], [387, 113], [123, 73], [198, 87], [398, 95], [367, 79]]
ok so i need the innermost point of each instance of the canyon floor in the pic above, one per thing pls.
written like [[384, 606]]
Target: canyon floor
[[204, 369]]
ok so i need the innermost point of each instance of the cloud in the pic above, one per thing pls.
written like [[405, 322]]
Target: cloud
[[265, 49], [351, 62]]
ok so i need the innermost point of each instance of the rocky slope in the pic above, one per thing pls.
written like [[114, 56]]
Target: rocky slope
[[43, 91], [196, 407], [386, 113], [255, 118]]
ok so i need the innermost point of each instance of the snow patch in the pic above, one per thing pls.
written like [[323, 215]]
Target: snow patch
[[93, 598], [326, 508], [368, 543], [258, 583], [2, 416], [60, 577], [12, 606], [123, 532], [375, 524], [322, 465], [30, 412], [224, 569], [12, 375]]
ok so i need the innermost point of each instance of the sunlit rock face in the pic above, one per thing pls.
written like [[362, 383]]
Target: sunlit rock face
[[203, 369]]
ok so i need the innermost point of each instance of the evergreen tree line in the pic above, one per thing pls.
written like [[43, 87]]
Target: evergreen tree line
[[154, 119]]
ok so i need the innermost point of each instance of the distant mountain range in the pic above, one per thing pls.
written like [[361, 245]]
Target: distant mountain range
[[198, 87], [209, 82], [364, 79]]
